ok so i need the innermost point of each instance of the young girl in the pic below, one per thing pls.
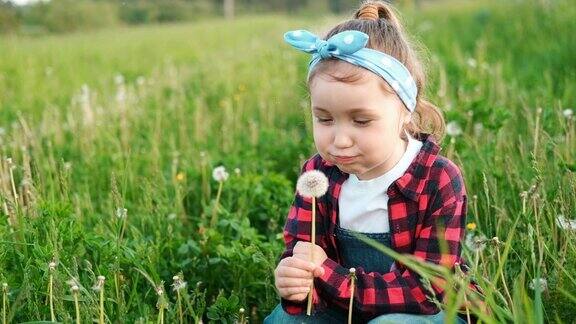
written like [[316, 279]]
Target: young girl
[[387, 180]]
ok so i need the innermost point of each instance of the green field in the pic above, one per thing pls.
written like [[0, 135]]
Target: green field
[[109, 139]]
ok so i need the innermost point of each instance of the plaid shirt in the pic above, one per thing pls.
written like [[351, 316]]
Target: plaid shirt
[[431, 191]]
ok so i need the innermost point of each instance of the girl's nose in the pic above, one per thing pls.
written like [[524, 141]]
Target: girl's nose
[[342, 139]]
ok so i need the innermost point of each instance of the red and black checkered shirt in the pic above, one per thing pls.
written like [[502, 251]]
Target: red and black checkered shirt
[[430, 197]]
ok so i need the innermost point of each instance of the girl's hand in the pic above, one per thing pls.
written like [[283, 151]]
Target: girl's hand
[[293, 278], [302, 251]]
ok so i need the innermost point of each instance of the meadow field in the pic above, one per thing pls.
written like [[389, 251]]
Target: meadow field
[[109, 139]]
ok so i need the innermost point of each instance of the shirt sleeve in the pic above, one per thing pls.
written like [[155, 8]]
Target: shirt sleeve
[[298, 228], [401, 289]]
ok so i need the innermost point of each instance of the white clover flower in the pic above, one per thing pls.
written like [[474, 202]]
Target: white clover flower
[[312, 183], [219, 174], [52, 266], [453, 128], [121, 212], [565, 223], [352, 270], [567, 113], [541, 283]]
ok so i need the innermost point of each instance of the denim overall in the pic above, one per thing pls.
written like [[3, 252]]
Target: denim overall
[[355, 253]]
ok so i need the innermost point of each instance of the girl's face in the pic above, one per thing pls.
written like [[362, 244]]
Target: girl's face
[[357, 126]]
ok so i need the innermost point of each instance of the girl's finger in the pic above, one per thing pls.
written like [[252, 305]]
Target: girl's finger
[[294, 292], [293, 272], [285, 282]]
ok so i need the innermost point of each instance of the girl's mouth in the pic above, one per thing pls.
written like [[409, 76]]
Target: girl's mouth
[[344, 159]]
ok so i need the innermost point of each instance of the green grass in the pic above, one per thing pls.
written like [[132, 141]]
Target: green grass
[[195, 96]]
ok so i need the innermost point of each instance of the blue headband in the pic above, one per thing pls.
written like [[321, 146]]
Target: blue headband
[[349, 46]]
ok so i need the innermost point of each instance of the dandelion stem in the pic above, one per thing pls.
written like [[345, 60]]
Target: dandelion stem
[[313, 240], [77, 306], [51, 288], [180, 314], [4, 293], [216, 206], [509, 301], [13, 185], [351, 300], [101, 305]]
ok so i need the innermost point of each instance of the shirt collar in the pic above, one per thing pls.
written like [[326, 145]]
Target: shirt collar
[[412, 182]]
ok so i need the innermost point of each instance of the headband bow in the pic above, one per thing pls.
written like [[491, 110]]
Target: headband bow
[[349, 46]]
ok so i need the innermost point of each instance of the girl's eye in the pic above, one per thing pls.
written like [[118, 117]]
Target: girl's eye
[[362, 122], [322, 120]]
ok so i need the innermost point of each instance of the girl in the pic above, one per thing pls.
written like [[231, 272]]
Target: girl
[[387, 180]]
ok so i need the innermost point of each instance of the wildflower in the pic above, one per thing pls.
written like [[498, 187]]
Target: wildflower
[[453, 128], [478, 129], [471, 226], [52, 266], [219, 174], [566, 224], [172, 216], [121, 212], [179, 283], [471, 62], [475, 243], [312, 183], [541, 283], [237, 171], [568, 113], [99, 284], [119, 79], [496, 241], [180, 176]]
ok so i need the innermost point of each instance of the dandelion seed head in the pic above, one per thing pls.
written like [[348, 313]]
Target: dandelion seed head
[[313, 183], [219, 174], [541, 283], [241, 310], [121, 212], [52, 265], [568, 113], [74, 288], [475, 243], [453, 128], [101, 278], [352, 270], [565, 223], [237, 171]]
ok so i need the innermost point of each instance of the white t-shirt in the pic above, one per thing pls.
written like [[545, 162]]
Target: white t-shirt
[[363, 204]]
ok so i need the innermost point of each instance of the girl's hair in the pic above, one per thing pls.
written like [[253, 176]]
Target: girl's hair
[[379, 21]]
